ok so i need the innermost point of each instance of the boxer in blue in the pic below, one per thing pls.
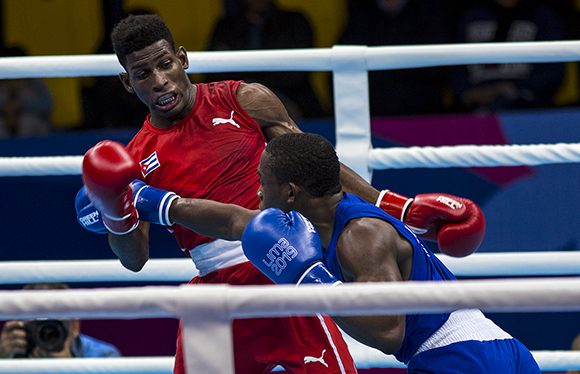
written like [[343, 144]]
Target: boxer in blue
[[310, 231]]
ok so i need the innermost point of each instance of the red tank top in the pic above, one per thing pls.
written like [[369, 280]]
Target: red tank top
[[213, 153]]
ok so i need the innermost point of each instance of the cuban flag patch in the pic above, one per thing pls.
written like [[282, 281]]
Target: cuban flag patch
[[149, 164]]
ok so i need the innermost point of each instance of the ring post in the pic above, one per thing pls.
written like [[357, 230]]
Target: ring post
[[351, 103], [206, 315]]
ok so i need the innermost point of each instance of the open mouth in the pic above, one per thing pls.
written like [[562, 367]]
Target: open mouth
[[166, 102]]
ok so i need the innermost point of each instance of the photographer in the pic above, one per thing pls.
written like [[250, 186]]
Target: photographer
[[50, 338]]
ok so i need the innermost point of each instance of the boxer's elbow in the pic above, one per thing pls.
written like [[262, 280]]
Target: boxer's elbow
[[135, 260], [388, 340], [134, 264], [132, 249], [385, 333], [388, 343]]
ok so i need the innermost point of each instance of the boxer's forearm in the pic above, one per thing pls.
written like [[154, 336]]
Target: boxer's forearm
[[211, 218], [355, 184]]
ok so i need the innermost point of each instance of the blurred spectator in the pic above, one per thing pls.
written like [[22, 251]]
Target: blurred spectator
[[106, 102], [494, 87], [259, 24], [575, 347], [568, 11], [108, 105], [46, 338], [401, 22], [25, 104]]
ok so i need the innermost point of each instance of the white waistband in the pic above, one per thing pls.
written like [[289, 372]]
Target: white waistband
[[218, 254], [464, 325]]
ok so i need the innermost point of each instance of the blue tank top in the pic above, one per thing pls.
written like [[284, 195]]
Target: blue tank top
[[425, 267]]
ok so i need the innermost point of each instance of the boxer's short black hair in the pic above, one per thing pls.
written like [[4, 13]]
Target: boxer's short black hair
[[136, 32], [308, 160]]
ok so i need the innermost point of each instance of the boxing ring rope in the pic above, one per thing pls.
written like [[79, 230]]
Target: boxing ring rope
[[387, 158], [552, 263], [209, 308], [554, 360], [314, 59], [473, 155], [113, 365], [215, 306]]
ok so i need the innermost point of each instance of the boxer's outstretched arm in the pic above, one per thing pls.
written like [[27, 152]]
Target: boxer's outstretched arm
[[211, 218], [205, 217]]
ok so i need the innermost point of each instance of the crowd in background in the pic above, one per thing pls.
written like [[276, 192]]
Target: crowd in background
[[262, 24]]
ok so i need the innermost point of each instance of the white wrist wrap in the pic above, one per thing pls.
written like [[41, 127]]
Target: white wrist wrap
[[380, 198]]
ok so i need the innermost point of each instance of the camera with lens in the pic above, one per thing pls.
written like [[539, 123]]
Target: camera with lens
[[46, 334]]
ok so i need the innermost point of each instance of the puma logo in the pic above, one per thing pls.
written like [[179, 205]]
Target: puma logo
[[310, 359], [219, 121]]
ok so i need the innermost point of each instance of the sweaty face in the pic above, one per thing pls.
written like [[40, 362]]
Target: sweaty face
[[156, 74], [272, 194]]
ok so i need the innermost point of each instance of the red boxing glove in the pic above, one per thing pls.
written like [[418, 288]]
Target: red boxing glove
[[456, 223], [107, 171]]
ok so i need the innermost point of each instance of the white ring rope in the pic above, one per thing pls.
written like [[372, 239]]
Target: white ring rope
[[40, 166], [552, 263], [316, 59], [511, 295], [551, 294], [365, 359], [386, 158], [24, 272], [473, 155], [113, 365]]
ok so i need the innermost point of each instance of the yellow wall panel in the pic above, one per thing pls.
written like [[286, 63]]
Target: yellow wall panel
[[569, 92], [53, 27], [190, 21]]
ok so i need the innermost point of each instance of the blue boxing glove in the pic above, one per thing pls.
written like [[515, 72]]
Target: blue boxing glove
[[87, 215], [286, 248], [152, 203]]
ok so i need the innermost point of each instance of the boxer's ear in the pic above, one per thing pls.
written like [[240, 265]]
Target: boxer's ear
[[124, 78]]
